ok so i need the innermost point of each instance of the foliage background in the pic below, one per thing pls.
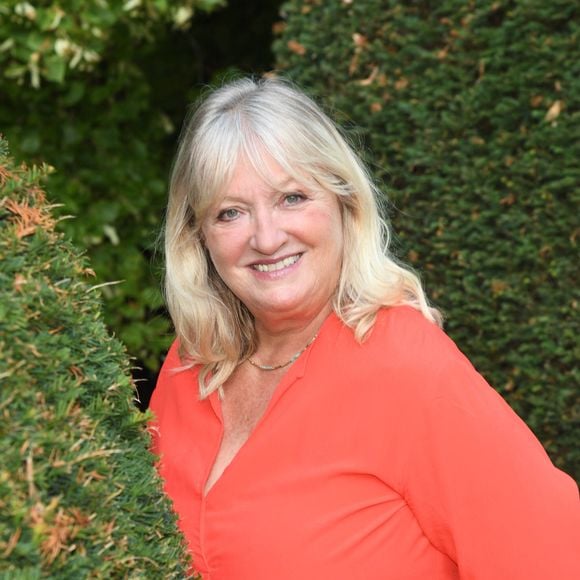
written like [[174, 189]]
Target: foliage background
[[469, 114]]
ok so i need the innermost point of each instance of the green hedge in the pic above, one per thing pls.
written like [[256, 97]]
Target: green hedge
[[79, 496], [469, 113]]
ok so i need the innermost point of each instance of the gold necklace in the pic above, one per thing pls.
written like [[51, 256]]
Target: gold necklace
[[281, 366]]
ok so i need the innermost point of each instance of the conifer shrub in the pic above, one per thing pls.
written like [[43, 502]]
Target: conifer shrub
[[79, 496], [469, 116]]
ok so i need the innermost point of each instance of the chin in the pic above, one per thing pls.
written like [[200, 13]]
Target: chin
[[274, 308], [282, 307]]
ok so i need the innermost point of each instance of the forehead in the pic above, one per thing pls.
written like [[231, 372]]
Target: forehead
[[263, 173]]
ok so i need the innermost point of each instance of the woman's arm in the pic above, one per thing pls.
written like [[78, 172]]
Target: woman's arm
[[483, 488]]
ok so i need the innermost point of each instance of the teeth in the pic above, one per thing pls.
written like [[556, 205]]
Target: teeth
[[277, 265]]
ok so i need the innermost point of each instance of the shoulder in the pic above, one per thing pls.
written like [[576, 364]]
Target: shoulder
[[172, 358], [408, 356], [176, 379], [405, 320], [171, 366], [432, 383], [412, 339]]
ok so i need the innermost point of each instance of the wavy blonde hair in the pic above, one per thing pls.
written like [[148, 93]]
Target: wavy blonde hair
[[247, 118]]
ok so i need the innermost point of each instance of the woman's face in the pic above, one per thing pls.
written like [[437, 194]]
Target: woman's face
[[277, 247]]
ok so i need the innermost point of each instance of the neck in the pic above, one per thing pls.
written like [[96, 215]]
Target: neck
[[278, 342]]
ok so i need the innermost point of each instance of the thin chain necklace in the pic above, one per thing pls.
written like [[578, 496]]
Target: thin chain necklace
[[281, 366]]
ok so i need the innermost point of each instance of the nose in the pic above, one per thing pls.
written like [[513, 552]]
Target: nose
[[268, 234]]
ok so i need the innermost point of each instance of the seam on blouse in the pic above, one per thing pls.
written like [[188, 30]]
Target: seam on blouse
[[430, 402], [408, 504]]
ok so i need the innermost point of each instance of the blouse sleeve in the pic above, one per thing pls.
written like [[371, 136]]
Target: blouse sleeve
[[484, 490]]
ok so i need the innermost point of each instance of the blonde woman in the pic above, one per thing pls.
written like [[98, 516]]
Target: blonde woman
[[313, 421]]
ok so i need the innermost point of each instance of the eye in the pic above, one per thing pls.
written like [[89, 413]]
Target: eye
[[228, 215], [294, 198]]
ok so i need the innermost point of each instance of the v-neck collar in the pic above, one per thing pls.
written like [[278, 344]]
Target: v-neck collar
[[295, 372]]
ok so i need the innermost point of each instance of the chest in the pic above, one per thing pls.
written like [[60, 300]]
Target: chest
[[308, 493], [247, 396], [245, 400]]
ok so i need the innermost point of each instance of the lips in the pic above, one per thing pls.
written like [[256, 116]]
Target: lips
[[281, 264]]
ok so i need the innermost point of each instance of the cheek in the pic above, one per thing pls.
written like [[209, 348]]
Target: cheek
[[334, 230], [338, 231], [224, 248], [337, 242]]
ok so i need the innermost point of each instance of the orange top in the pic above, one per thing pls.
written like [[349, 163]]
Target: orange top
[[394, 459]]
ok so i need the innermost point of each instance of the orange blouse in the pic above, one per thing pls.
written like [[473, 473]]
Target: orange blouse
[[391, 459]]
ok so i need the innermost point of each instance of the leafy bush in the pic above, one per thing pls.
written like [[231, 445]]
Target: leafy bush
[[77, 91], [79, 496], [470, 112]]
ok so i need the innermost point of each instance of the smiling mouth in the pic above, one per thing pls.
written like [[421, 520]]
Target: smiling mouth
[[277, 265]]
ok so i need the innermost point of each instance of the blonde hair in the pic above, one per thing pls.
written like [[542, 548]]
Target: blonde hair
[[247, 118]]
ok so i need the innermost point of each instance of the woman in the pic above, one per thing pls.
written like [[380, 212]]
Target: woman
[[312, 419]]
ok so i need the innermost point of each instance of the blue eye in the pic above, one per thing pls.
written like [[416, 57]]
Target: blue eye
[[227, 215], [294, 198]]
